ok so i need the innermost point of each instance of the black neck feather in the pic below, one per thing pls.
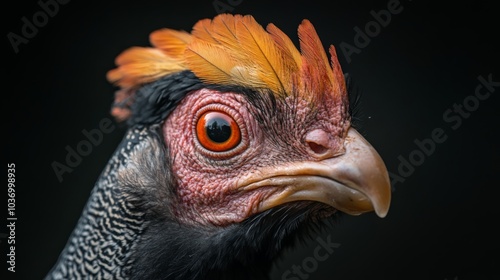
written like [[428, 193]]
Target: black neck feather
[[169, 250]]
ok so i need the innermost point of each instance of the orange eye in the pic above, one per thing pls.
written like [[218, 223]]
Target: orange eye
[[217, 131]]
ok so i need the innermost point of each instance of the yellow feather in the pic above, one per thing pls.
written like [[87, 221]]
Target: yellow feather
[[199, 57], [201, 30], [138, 65], [236, 50], [285, 44], [255, 59], [224, 28], [172, 42], [262, 50]]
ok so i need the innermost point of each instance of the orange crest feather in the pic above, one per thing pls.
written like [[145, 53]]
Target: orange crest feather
[[236, 50]]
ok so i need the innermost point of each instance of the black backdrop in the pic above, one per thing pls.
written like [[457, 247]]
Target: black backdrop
[[415, 73]]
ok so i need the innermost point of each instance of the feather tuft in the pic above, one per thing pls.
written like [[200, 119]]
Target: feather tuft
[[138, 65], [235, 50], [171, 42]]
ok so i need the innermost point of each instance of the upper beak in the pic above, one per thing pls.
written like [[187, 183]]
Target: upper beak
[[354, 182]]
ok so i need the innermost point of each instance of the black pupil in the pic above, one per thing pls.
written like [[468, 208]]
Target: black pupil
[[218, 130]]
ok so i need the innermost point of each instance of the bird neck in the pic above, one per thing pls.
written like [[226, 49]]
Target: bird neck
[[108, 229], [171, 250]]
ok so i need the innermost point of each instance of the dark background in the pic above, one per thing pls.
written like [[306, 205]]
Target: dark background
[[442, 221]]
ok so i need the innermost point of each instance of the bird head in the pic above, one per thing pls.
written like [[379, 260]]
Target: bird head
[[246, 122]]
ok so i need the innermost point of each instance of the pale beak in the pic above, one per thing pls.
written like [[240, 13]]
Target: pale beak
[[355, 182]]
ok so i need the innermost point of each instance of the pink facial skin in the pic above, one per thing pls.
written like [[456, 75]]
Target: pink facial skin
[[207, 181]]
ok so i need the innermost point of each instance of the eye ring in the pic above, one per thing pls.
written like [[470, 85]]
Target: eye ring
[[217, 131], [234, 114]]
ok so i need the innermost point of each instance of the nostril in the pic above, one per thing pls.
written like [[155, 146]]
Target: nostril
[[317, 148], [318, 141]]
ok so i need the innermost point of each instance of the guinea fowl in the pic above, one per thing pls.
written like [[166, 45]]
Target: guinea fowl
[[237, 142]]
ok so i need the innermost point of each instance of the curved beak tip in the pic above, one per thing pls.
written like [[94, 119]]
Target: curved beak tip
[[382, 199], [382, 213], [374, 180]]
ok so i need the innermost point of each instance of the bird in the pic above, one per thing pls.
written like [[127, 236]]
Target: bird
[[236, 143]]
